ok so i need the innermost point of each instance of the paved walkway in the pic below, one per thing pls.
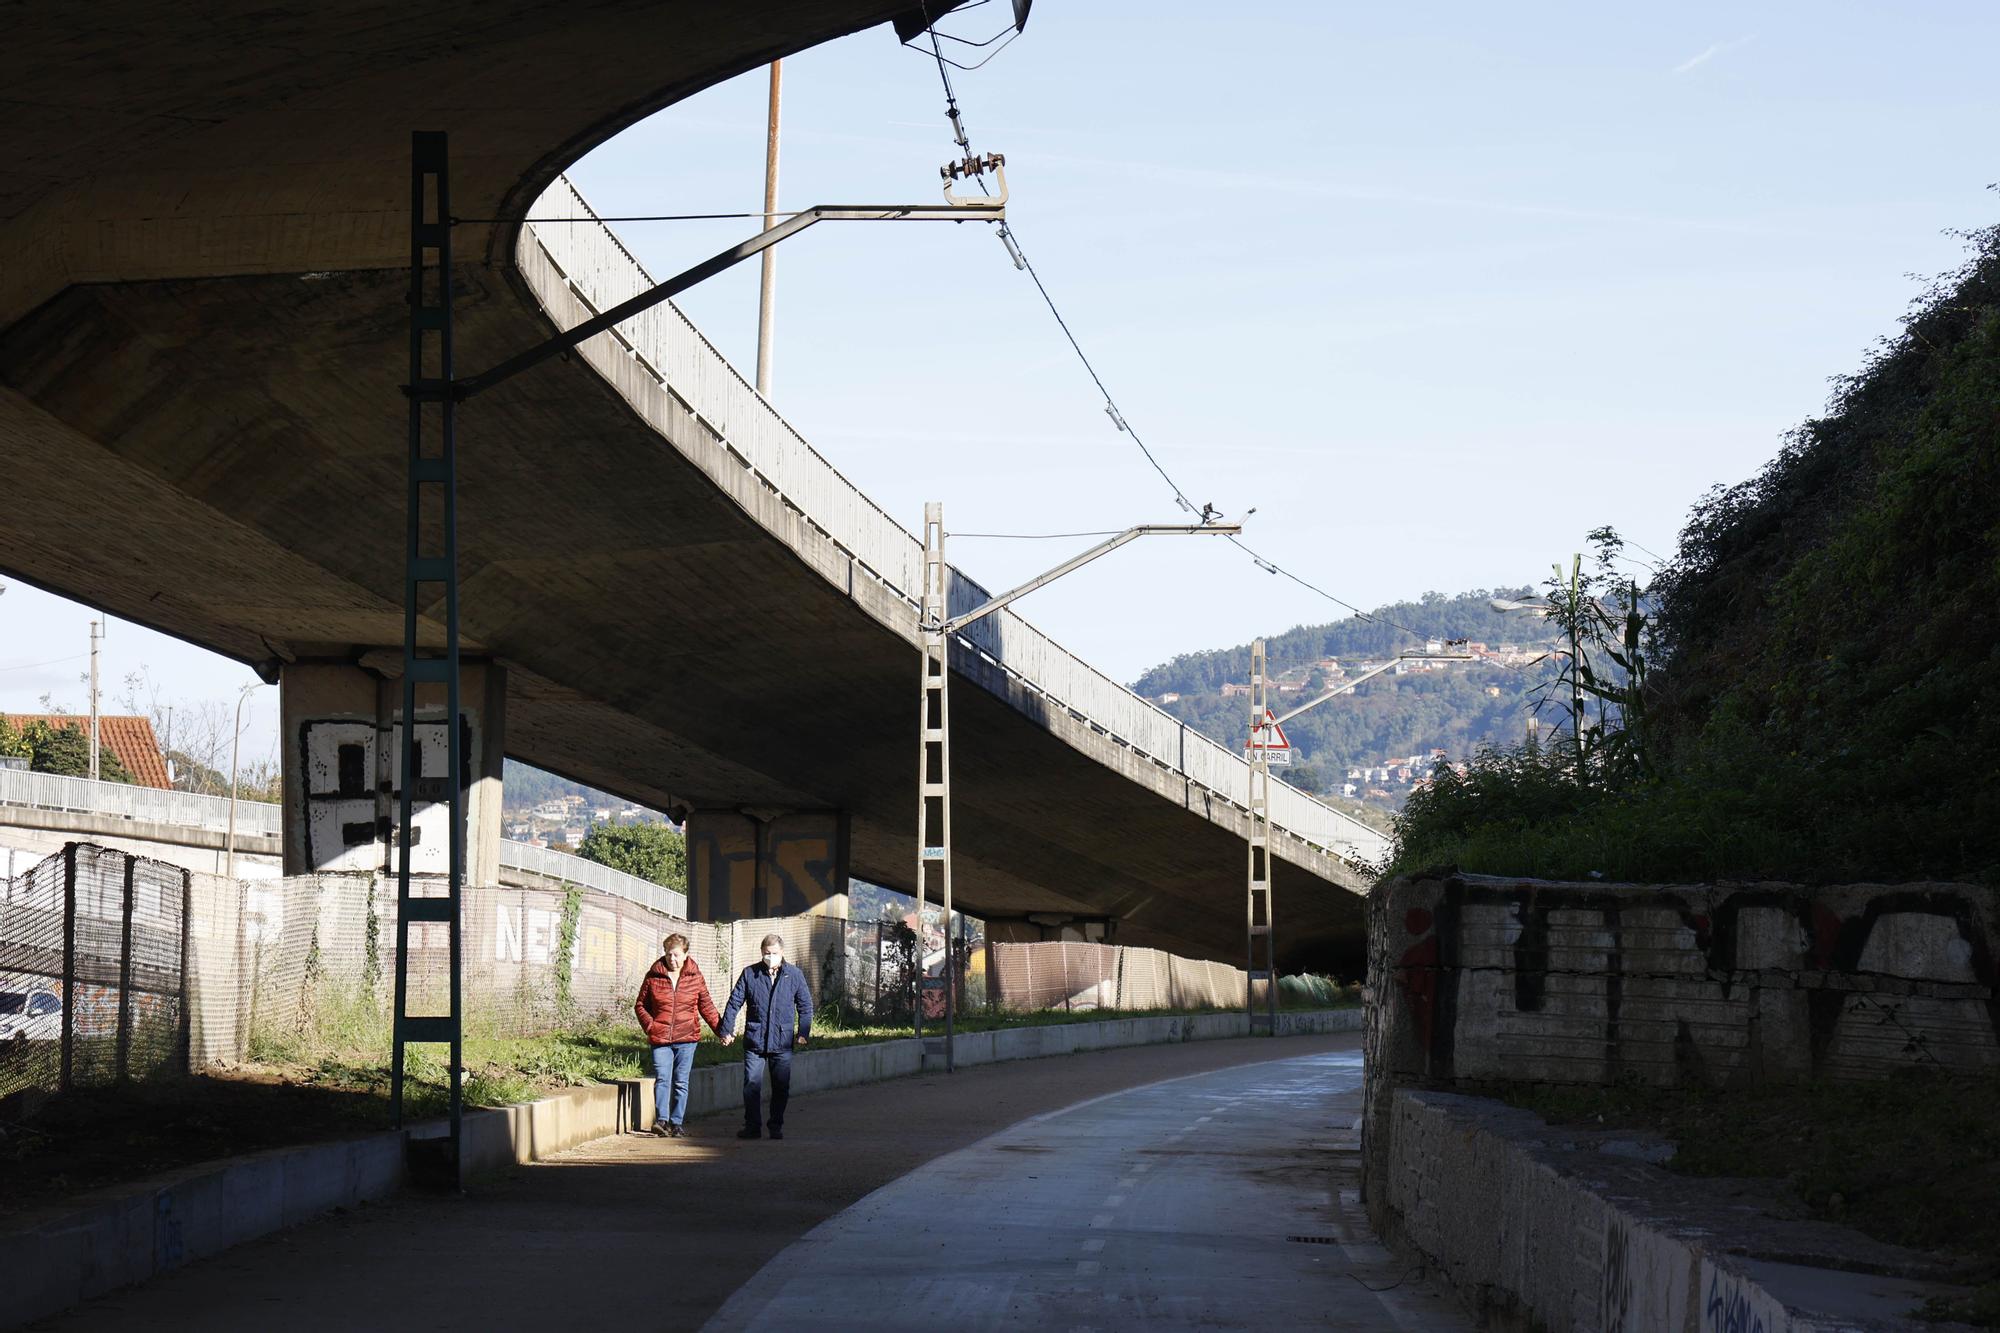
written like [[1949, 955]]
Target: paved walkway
[[664, 1232], [1210, 1201]]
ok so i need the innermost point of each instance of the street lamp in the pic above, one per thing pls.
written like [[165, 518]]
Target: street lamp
[[1260, 907], [937, 625], [235, 745]]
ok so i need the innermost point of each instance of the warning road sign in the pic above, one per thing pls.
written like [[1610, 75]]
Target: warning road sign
[[1270, 738]]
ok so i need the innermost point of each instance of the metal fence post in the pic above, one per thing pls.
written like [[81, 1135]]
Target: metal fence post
[[186, 1035], [69, 968], [992, 975], [123, 1069]]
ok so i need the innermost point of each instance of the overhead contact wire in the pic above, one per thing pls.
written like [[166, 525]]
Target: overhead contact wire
[[1110, 404]]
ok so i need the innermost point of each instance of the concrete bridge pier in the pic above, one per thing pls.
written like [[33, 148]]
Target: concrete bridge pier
[[339, 733], [757, 862], [1037, 927]]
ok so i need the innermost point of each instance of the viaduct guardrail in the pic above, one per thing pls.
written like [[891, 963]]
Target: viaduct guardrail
[[602, 273], [119, 800]]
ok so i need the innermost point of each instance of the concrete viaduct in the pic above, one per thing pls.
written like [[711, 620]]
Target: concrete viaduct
[[203, 329]]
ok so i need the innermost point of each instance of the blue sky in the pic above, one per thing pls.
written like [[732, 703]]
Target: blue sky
[[1434, 291]]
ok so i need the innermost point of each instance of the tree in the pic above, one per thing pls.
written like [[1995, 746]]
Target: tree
[[650, 851], [1306, 778], [13, 744]]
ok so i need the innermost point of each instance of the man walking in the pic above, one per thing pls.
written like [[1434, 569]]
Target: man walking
[[779, 1019]]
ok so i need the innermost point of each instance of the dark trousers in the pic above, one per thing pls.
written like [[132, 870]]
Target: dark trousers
[[754, 1065]]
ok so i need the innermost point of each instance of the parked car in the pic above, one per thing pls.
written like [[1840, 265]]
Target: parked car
[[29, 1015]]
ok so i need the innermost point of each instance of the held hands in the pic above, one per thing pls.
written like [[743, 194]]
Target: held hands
[[729, 1039]]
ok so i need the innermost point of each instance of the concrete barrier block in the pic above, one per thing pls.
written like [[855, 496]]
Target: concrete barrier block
[[187, 1220], [253, 1199], [379, 1166], [121, 1243], [42, 1272]]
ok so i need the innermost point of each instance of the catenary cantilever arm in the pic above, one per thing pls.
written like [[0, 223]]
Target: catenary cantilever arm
[[979, 210], [1348, 687], [1104, 547]]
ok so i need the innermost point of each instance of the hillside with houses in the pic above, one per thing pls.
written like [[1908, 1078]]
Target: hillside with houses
[[1378, 744]]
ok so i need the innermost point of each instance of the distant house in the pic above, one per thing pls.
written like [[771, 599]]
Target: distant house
[[1170, 697], [1232, 690], [130, 738]]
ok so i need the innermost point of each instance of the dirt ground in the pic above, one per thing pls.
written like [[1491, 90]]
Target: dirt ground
[[634, 1227], [52, 1149]]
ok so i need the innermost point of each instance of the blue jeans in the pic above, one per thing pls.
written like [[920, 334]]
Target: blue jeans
[[754, 1064], [670, 1081]]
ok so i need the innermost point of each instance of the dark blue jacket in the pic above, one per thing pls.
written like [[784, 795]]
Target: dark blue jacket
[[772, 1005]]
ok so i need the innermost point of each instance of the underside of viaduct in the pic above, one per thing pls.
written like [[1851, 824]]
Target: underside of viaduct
[[203, 334]]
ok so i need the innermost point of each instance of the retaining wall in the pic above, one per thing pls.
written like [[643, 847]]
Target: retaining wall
[[1562, 1230], [1476, 980], [55, 1258]]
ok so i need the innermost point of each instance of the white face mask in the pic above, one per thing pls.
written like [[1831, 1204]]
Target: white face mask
[[773, 959]]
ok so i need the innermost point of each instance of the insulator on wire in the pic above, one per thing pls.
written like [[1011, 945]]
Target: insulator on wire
[[1111, 410]]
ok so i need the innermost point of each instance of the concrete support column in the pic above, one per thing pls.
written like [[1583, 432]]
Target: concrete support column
[[340, 741], [1040, 927], [757, 863]]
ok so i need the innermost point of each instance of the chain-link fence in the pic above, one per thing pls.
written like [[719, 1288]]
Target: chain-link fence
[[117, 967], [93, 971], [1076, 974]]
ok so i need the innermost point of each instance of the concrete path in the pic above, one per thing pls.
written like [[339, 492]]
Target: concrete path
[[665, 1231], [1210, 1201]]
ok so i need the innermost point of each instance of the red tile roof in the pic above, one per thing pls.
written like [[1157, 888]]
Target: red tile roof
[[130, 738]]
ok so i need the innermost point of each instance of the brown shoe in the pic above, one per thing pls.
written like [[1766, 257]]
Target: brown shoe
[[662, 1130], [677, 1131]]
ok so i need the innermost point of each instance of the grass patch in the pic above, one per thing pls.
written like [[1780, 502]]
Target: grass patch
[[1912, 1160]]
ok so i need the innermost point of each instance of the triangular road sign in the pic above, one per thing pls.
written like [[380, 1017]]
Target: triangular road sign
[[1270, 736]]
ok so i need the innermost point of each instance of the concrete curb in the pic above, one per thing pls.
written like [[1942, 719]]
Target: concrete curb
[[1531, 1231], [130, 1234], [715, 1088]]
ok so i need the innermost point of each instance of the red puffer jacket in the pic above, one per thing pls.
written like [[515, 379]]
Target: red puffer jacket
[[668, 1012]]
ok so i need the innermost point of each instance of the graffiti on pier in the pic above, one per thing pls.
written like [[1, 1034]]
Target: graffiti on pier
[[740, 866]]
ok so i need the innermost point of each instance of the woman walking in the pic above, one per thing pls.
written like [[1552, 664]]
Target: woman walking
[[673, 1003]]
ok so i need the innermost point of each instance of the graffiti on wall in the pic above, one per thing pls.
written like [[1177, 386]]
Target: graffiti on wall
[[1731, 1304], [1585, 983], [722, 866], [741, 867], [353, 793], [1614, 1307]]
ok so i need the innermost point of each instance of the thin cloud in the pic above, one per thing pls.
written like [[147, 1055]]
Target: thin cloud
[[1720, 48]]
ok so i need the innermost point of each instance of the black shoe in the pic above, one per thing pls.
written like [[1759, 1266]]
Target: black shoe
[[678, 1131], [749, 1132], [777, 1131]]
